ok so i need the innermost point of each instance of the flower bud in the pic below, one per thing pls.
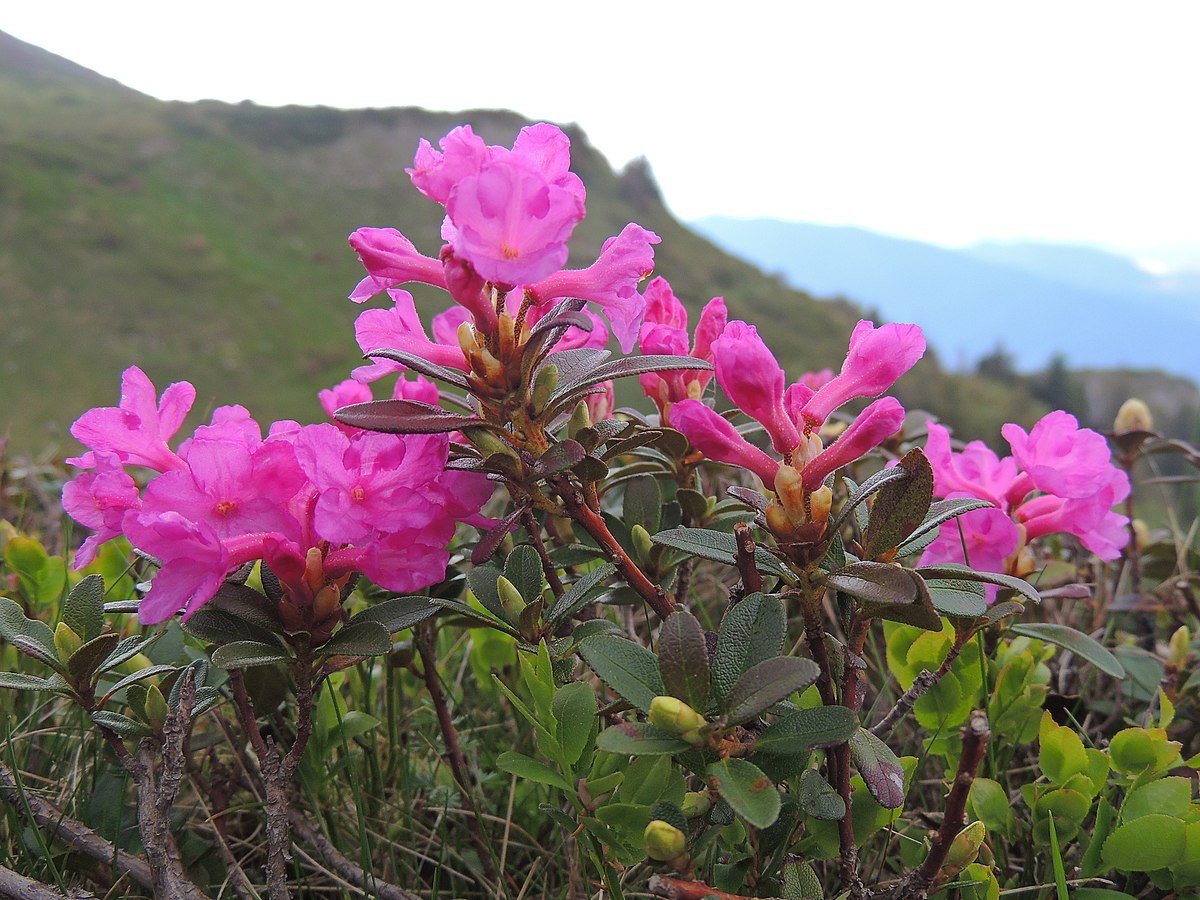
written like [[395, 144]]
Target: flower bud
[[156, 708], [673, 715], [663, 841], [965, 846], [696, 804], [1179, 647], [513, 602], [789, 487], [486, 442], [66, 641], [1141, 533], [580, 419], [642, 544], [543, 386], [1134, 415]]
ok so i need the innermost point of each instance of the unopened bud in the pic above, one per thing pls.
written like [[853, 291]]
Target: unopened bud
[[506, 327], [466, 339], [314, 569], [486, 441], [965, 846], [696, 804], [642, 544], [1179, 647], [777, 519], [327, 603], [663, 841], [156, 707], [1141, 534], [66, 641], [820, 502], [513, 602], [543, 386], [673, 715], [1134, 415], [580, 419]]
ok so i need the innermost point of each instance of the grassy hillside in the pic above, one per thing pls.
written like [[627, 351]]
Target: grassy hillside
[[207, 241]]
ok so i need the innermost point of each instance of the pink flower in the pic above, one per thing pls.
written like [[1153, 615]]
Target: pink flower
[[575, 338], [876, 359], [873, 426], [391, 260], [715, 437], [752, 379], [1060, 457], [664, 331], [99, 500], [138, 429], [610, 282], [436, 173], [400, 328], [601, 402], [511, 223], [975, 472], [1090, 518], [344, 393], [194, 563]]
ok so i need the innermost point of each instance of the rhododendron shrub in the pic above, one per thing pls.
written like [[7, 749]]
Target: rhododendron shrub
[[694, 628]]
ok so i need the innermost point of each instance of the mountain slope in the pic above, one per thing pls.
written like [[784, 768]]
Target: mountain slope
[[1034, 303], [207, 241]]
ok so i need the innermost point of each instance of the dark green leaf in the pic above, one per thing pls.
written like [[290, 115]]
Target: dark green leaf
[[129, 648], [149, 672], [879, 768], [1076, 641], [122, 725], [365, 638], [640, 739], [13, 625], [766, 683], [747, 789], [719, 546], [524, 569], [874, 582], [559, 458], [83, 609], [818, 798], [87, 659], [422, 365], [630, 670], [398, 613], [806, 729], [940, 512], [403, 417], [683, 659], [643, 503], [577, 595], [17, 681], [574, 706], [899, 506], [863, 491], [752, 631], [957, 598], [247, 654], [956, 570], [475, 616], [625, 366], [247, 605]]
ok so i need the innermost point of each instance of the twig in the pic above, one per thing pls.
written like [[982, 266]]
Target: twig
[[921, 685], [678, 889], [593, 523], [534, 530], [916, 885], [425, 638], [752, 581], [15, 886], [337, 861], [78, 836]]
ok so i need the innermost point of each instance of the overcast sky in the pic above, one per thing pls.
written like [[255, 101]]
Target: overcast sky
[[947, 122]]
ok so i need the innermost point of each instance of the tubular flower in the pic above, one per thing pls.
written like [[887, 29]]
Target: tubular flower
[[751, 377], [313, 502], [664, 331], [1060, 479]]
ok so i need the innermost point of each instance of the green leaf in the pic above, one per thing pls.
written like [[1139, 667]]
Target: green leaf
[[364, 638], [640, 739], [1171, 796], [746, 788], [1151, 842], [129, 648], [247, 605], [818, 798], [83, 609], [683, 659], [753, 630], [575, 708], [630, 670], [887, 592], [14, 625], [956, 598], [719, 546], [899, 506], [806, 729], [478, 618], [1077, 642], [122, 725], [765, 684], [88, 658], [530, 769], [940, 512], [643, 503], [17, 681], [247, 654], [403, 417], [397, 613], [577, 595], [956, 570], [354, 724], [861, 492], [149, 672], [524, 569], [879, 768], [623, 367], [990, 805], [559, 457]]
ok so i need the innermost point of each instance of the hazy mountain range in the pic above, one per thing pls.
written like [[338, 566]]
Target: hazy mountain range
[[1096, 308]]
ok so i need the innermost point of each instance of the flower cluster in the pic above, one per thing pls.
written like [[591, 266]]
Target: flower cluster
[[793, 416], [1059, 478], [510, 214], [314, 502]]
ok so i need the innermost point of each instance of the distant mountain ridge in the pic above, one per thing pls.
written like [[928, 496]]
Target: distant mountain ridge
[[1037, 300]]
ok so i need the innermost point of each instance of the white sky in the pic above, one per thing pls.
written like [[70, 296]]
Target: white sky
[[949, 122]]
